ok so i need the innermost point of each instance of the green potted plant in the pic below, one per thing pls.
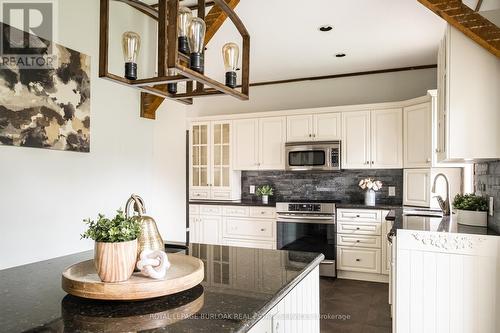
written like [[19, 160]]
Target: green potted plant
[[265, 191], [471, 209], [115, 249]]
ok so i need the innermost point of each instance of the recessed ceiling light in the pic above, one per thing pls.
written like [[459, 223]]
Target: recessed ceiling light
[[325, 28], [340, 55]]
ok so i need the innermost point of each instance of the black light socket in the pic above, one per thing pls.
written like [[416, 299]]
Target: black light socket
[[131, 70], [196, 62], [183, 44], [231, 79], [172, 88]]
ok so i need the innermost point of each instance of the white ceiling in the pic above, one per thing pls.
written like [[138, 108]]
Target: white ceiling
[[286, 43]]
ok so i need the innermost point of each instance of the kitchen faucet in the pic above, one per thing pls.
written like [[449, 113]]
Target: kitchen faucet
[[444, 205]]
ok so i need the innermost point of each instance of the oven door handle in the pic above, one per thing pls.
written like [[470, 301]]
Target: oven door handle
[[302, 219]]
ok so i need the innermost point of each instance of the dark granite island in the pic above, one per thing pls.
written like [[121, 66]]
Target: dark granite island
[[244, 290]]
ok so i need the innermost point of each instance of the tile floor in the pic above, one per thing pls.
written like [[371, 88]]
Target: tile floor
[[354, 306]]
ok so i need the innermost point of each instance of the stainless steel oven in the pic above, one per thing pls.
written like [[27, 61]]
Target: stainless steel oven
[[308, 227], [312, 155]]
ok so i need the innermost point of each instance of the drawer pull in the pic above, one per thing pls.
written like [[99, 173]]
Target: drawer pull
[[357, 215], [357, 241], [357, 228], [358, 259], [262, 212], [262, 229]]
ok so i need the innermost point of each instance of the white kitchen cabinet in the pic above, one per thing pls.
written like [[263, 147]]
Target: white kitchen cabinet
[[299, 128], [297, 312], [418, 136], [417, 186], [361, 244], [272, 137], [314, 127], [372, 139], [387, 139], [259, 143], [327, 126], [205, 229], [211, 174], [244, 226], [463, 294], [355, 143], [246, 144], [468, 123]]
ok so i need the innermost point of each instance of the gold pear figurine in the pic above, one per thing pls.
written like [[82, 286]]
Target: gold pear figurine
[[150, 238]]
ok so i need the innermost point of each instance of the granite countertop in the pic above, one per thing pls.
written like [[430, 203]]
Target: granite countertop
[[230, 299], [439, 224], [233, 203]]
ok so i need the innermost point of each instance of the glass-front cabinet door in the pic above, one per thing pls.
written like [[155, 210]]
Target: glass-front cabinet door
[[200, 155], [220, 154]]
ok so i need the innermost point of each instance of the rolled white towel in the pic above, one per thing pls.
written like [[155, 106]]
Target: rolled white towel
[[153, 264]]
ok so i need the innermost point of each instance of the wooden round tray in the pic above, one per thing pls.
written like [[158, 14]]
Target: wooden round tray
[[81, 280]]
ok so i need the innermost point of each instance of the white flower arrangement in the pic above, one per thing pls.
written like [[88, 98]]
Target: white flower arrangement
[[370, 184]]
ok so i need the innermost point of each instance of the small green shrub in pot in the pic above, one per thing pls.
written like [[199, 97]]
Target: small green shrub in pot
[[471, 209], [115, 249], [265, 191]]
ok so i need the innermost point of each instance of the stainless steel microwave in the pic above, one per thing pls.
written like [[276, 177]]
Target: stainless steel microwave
[[302, 156]]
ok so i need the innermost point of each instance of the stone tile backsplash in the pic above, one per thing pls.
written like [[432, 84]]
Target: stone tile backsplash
[[321, 185], [487, 183]]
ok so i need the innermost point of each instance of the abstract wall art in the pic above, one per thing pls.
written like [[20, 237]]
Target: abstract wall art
[[46, 107]]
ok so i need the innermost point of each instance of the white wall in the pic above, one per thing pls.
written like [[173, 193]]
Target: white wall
[[387, 87], [45, 194]]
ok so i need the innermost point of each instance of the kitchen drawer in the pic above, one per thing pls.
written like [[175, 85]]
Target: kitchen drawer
[[359, 215], [359, 228], [199, 194], [264, 212], [249, 243], [194, 209], [253, 229], [359, 241], [236, 211], [221, 195], [210, 210], [359, 260]]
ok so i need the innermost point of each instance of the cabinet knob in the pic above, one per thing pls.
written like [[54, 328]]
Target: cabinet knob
[[357, 241], [357, 228], [358, 259], [262, 212], [357, 215], [262, 229], [314, 135], [367, 162]]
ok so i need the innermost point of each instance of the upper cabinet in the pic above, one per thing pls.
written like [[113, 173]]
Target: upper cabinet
[[211, 174], [372, 139], [259, 143], [468, 117], [418, 136], [317, 127]]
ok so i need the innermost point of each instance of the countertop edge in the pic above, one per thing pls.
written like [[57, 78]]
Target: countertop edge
[[281, 294]]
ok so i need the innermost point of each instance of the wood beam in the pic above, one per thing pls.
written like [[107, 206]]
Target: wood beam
[[469, 22]]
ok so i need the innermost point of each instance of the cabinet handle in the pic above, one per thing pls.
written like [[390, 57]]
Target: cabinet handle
[[358, 259]]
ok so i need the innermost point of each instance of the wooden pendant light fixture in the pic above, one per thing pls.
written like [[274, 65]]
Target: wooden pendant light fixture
[[170, 60]]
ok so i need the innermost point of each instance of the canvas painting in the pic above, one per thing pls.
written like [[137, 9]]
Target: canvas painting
[[47, 107]]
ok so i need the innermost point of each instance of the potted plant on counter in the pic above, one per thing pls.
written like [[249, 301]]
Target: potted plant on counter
[[471, 210], [265, 192], [371, 186], [115, 249]]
